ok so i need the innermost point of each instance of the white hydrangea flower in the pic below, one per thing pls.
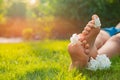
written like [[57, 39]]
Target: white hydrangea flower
[[74, 39], [97, 22], [101, 62], [93, 64], [104, 61]]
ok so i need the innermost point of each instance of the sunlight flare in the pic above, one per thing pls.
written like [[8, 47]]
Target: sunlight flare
[[32, 2]]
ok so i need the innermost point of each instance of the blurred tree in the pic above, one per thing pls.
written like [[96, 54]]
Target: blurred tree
[[44, 8], [76, 12], [108, 10], [71, 9], [17, 9], [2, 12], [1, 6]]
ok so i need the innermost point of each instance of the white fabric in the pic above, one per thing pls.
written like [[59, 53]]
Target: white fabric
[[101, 62]]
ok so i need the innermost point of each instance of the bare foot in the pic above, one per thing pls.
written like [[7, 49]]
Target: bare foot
[[90, 33], [79, 52], [78, 56]]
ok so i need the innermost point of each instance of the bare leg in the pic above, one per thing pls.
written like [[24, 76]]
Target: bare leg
[[111, 47], [118, 25], [101, 39]]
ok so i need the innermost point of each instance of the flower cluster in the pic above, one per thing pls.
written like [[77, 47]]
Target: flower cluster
[[74, 39], [97, 22], [101, 62]]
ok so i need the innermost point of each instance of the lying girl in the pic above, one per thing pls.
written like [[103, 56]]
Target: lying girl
[[93, 48]]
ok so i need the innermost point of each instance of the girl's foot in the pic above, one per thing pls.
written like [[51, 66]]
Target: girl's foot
[[90, 33], [78, 56]]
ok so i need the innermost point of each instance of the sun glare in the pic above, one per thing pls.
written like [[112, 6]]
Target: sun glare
[[32, 2]]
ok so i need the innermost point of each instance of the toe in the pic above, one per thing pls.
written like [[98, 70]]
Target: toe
[[87, 46], [81, 37], [94, 16], [87, 51], [91, 25], [92, 22], [84, 32], [87, 28], [84, 42]]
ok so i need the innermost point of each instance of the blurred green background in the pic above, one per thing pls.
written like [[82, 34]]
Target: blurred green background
[[53, 19]]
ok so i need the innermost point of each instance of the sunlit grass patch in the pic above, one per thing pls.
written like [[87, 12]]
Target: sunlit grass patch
[[46, 60]]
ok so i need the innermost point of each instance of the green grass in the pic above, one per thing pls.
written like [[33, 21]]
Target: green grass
[[46, 60]]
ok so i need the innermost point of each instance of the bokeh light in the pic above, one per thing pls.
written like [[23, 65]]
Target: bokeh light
[[32, 2]]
